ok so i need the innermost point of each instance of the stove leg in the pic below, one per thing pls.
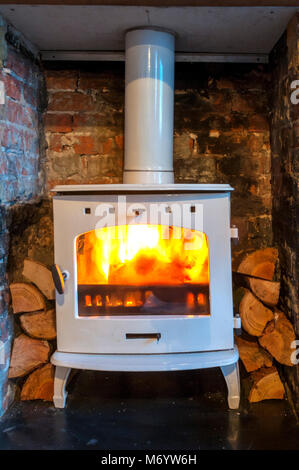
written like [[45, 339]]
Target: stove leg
[[60, 394], [232, 378]]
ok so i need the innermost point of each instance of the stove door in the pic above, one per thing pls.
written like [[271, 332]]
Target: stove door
[[138, 287]]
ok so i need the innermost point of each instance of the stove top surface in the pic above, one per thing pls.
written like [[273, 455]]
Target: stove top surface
[[142, 188]]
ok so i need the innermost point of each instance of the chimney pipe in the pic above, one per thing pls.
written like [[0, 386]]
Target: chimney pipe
[[149, 106]]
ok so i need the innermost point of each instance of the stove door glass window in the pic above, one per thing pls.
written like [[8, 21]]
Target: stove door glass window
[[143, 270]]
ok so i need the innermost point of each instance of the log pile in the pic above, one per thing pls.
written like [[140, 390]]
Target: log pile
[[267, 333], [32, 304], [266, 385], [266, 339]]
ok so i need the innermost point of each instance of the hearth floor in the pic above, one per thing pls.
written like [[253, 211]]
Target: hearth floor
[[128, 411]]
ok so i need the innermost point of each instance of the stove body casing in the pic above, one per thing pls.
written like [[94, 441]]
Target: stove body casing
[[178, 333]]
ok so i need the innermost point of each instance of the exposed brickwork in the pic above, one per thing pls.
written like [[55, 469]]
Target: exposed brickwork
[[84, 126], [221, 134], [285, 172], [21, 177]]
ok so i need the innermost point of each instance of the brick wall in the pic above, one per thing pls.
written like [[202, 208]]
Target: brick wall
[[285, 171], [20, 163], [222, 136], [221, 133], [84, 126]]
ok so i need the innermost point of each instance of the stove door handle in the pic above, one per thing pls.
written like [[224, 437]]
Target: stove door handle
[[156, 336], [58, 278]]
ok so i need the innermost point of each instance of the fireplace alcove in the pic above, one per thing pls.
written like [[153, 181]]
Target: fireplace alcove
[[226, 118]]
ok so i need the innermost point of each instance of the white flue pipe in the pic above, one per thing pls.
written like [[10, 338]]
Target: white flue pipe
[[149, 106]]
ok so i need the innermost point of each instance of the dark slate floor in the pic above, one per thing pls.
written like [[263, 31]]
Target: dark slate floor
[[166, 411]]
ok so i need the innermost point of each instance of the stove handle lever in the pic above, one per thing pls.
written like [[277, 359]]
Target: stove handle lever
[[156, 336], [59, 278]]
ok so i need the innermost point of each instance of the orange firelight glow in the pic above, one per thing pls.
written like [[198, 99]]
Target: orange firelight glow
[[142, 255]]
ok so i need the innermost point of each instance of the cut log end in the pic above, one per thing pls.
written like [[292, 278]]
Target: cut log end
[[40, 275], [41, 325], [27, 355], [266, 291], [266, 385], [261, 264], [254, 314], [278, 338], [26, 298], [39, 385], [252, 355]]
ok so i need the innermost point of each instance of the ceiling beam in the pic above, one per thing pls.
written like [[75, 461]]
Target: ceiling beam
[[161, 3]]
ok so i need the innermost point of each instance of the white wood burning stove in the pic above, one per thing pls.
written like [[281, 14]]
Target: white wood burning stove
[[147, 318], [143, 269]]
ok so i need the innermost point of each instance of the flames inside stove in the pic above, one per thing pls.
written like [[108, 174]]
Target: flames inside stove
[[144, 270]]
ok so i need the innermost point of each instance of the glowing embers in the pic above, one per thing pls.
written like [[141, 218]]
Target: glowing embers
[[142, 255], [128, 299], [144, 300]]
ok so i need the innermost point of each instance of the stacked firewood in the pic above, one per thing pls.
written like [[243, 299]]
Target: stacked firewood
[[266, 338], [32, 302], [267, 333]]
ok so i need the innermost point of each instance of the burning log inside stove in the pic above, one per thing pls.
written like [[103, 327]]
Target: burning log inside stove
[[143, 269], [142, 255]]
